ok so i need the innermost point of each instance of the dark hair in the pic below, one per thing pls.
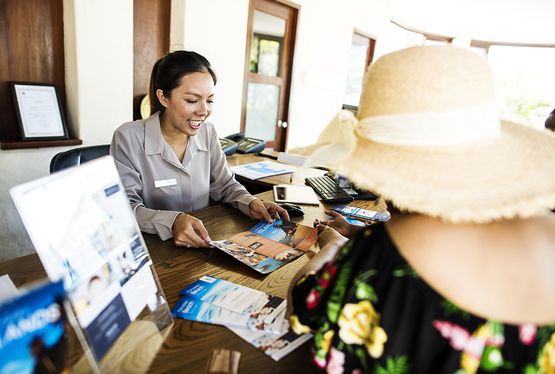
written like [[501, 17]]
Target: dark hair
[[168, 71], [550, 121]]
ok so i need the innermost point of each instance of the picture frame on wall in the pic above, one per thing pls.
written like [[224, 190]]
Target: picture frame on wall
[[39, 111]]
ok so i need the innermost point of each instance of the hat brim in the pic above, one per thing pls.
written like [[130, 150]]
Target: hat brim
[[510, 175]]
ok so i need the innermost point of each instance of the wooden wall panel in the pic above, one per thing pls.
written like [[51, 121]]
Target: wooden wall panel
[[31, 50], [151, 40]]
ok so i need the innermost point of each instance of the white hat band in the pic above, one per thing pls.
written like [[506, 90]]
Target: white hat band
[[433, 128]]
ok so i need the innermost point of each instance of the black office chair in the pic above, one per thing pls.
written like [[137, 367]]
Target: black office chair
[[77, 156]]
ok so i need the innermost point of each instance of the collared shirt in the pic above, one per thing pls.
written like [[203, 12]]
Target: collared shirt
[[159, 186]]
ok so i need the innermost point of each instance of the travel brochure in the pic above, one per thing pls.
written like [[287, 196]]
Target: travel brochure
[[32, 330], [360, 214], [268, 246], [253, 315], [217, 301], [276, 346], [262, 169]]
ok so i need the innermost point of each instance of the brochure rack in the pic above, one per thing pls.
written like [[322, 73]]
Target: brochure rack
[[84, 232]]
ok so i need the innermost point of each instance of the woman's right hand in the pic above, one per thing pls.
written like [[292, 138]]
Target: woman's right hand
[[327, 235], [188, 231], [338, 223]]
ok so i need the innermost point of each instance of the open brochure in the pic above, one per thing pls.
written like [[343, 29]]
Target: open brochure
[[255, 316], [32, 330], [268, 246]]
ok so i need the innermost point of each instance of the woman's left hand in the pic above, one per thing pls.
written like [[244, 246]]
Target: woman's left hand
[[267, 210]]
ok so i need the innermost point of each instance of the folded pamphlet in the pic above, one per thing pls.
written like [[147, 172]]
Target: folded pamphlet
[[222, 302], [361, 214], [196, 310], [275, 346], [255, 316], [268, 246]]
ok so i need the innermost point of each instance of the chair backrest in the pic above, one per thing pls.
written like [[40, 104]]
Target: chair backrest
[[77, 156]]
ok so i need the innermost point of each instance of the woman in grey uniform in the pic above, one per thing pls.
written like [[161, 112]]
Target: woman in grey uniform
[[172, 163]]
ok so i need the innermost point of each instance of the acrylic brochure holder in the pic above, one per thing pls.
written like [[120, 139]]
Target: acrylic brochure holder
[[83, 229]]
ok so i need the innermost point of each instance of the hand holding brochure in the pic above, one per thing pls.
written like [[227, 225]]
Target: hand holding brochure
[[268, 246]]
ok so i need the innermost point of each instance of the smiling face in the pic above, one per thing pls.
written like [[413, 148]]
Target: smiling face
[[188, 105]]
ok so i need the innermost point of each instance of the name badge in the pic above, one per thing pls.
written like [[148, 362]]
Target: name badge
[[165, 183]]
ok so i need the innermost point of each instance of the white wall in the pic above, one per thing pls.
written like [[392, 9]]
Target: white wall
[[101, 74], [324, 36], [217, 29], [99, 87], [496, 20]]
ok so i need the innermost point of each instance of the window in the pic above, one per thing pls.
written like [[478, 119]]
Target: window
[[362, 51], [265, 54], [525, 80]]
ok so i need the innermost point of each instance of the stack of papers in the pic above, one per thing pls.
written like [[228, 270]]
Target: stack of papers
[[262, 169], [255, 316]]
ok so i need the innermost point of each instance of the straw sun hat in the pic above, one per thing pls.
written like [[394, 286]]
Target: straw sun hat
[[429, 139]]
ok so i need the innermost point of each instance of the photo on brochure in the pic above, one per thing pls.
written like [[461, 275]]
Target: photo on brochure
[[196, 310], [268, 246], [33, 337], [236, 298], [253, 315], [274, 345]]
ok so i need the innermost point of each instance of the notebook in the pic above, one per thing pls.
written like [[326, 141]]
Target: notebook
[[296, 194]]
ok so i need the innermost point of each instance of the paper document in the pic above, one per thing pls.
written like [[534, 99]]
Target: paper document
[[257, 317], [220, 302], [262, 169]]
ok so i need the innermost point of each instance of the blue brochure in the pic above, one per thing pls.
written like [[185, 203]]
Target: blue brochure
[[196, 310], [234, 297], [361, 214], [32, 335]]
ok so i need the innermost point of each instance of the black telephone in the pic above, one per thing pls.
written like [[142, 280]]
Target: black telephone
[[228, 146], [246, 144], [251, 145]]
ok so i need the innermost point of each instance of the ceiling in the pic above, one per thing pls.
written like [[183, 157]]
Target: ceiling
[[516, 21]]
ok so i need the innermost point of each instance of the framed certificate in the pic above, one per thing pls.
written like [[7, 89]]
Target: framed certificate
[[38, 111]]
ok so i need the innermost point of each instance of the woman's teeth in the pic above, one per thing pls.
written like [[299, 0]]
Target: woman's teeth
[[195, 124]]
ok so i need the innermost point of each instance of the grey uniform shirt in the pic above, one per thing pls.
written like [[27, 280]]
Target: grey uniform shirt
[[159, 186]]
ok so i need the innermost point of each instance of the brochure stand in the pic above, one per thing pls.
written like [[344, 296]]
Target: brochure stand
[[84, 232]]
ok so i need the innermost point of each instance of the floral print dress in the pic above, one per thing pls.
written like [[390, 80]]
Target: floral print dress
[[371, 313]]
